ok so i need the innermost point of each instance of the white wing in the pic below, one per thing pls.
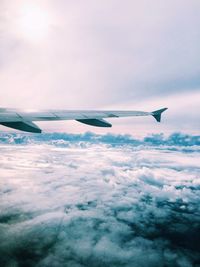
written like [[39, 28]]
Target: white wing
[[23, 119]]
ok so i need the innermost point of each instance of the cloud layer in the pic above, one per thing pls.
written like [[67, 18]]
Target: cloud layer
[[91, 200], [176, 140]]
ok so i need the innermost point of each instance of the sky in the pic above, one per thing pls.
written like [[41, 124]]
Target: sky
[[137, 204], [103, 55]]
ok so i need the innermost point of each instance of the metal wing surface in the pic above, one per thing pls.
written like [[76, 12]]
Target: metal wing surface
[[23, 119]]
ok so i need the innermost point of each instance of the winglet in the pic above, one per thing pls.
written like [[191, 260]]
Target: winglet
[[157, 114]]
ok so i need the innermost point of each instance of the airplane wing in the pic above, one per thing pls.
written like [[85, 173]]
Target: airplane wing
[[23, 119]]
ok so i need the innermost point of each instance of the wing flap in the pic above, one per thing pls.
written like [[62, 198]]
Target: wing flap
[[96, 122], [26, 126]]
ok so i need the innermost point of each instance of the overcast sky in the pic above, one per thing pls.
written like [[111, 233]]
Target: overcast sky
[[103, 55]]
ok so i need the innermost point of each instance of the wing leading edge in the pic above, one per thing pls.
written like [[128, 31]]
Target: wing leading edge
[[23, 120]]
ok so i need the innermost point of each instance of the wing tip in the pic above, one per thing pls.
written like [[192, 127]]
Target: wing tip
[[157, 114]]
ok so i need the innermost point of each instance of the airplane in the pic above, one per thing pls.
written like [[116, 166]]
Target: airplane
[[23, 119]]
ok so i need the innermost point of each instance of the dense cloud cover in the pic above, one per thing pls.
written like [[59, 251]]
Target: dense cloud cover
[[175, 139], [99, 200]]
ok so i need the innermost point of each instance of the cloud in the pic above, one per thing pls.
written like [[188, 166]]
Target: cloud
[[174, 140], [92, 200]]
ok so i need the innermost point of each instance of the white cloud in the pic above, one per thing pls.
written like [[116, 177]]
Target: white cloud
[[108, 203]]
